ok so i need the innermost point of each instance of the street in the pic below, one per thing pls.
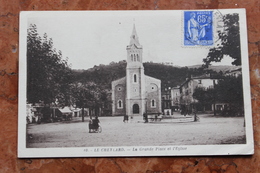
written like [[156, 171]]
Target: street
[[178, 131]]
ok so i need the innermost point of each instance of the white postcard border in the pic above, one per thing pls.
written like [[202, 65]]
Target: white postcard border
[[133, 151]]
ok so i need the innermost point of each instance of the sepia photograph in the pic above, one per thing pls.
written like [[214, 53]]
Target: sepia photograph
[[134, 83]]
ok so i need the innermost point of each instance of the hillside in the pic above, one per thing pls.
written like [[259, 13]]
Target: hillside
[[223, 68], [169, 75]]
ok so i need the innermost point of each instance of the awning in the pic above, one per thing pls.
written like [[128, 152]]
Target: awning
[[65, 110], [76, 110]]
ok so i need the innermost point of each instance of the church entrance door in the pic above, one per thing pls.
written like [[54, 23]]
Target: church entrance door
[[135, 109]]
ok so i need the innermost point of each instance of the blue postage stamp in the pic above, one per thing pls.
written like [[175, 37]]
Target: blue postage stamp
[[198, 28]]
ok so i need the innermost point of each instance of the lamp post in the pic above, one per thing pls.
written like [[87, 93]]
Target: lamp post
[[214, 100]]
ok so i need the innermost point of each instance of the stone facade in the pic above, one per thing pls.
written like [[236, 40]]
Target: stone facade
[[136, 93]]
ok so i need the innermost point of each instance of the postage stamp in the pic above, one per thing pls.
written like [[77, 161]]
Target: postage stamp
[[198, 28]]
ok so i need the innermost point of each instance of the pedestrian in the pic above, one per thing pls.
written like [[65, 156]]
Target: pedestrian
[[145, 118], [125, 118]]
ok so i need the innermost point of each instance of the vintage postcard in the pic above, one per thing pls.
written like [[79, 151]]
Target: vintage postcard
[[134, 83]]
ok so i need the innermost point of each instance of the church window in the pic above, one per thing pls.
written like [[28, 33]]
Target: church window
[[135, 78], [132, 57], [120, 104], [153, 103], [119, 88], [137, 57]]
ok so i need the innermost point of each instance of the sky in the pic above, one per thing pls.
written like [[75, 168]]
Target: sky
[[99, 37]]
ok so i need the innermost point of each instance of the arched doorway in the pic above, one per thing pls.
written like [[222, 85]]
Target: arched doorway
[[135, 109]]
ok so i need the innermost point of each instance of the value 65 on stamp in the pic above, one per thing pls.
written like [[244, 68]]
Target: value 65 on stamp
[[198, 28]]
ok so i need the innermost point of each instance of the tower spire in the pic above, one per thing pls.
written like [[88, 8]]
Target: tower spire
[[134, 37], [134, 51]]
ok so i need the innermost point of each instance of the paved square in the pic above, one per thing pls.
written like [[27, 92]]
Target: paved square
[[177, 131]]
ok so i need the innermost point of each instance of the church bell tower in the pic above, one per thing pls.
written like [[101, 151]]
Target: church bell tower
[[135, 79]]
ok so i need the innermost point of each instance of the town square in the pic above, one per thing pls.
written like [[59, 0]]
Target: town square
[[178, 130]]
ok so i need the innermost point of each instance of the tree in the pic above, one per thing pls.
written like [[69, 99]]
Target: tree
[[230, 42], [89, 95], [205, 96], [79, 95], [48, 74], [230, 90]]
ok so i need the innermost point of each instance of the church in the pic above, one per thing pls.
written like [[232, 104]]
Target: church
[[136, 93]]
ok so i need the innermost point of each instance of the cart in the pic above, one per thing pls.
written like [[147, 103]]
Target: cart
[[94, 126]]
